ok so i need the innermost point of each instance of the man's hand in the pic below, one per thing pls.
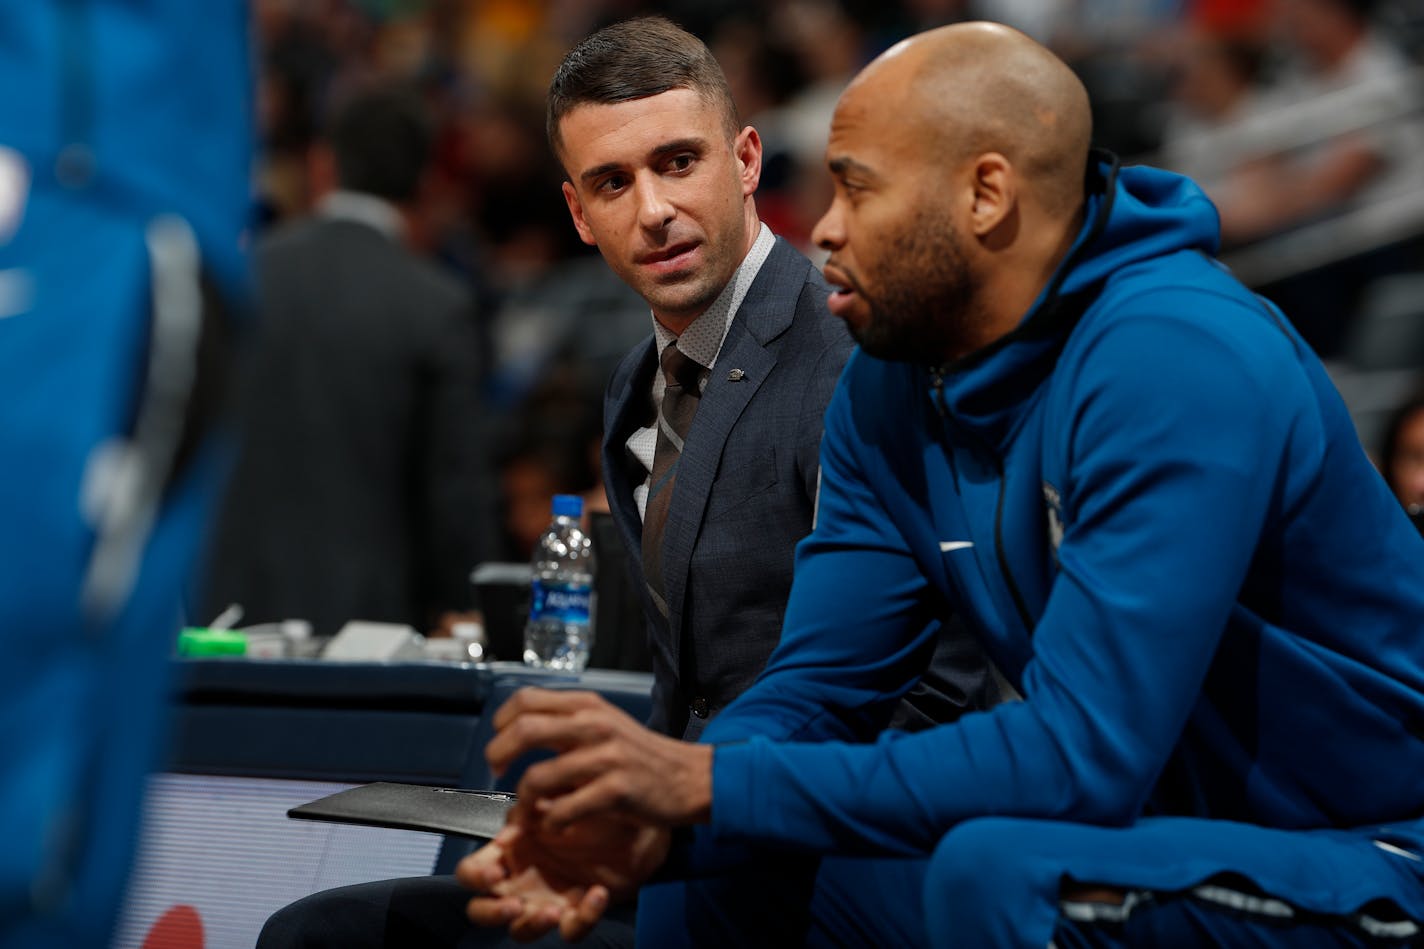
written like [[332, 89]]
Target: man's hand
[[607, 764], [539, 880]]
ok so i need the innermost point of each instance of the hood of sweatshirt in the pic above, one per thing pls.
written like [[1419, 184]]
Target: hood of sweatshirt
[[1132, 214]]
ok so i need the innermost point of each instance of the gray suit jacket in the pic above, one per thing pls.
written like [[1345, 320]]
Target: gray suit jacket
[[361, 489], [745, 490], [744, 496]]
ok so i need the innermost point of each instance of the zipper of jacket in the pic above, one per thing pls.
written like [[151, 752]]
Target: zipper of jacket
[[937, 396], [937, 399], [1003, 558], [937, 373]]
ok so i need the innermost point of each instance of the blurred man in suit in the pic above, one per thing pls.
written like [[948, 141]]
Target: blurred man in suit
[[361, 491]]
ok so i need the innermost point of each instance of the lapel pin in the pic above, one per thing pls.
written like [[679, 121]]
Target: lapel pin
[[736, 375]]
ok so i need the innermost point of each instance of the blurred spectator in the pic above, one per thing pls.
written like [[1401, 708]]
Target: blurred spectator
[[1216, 88], [360, 491], [764, 72], [830, 47], [1117, 48], [294, 62], [1246, 21], [818, 45], [1401, 457], [548, 296], [1335, 138], [494, 217], [1349, 123], [555, 309], [307, 51], [552, 447]]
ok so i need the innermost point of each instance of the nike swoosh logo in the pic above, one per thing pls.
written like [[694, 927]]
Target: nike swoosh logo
[[946, 546], [1391, 848]]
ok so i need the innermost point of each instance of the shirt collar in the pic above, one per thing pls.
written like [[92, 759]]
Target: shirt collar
[[362, 208]]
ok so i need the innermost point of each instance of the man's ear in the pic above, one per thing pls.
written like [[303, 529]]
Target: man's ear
[[747, 147], [995, 193], [571, 198]]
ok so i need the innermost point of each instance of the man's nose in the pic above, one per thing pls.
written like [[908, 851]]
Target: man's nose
[[829, 233], [655, 210]]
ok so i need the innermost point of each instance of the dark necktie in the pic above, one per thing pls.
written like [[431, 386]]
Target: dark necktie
[[680, 400]]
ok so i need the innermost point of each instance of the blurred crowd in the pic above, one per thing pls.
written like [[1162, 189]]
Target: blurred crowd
[[1301, 118]]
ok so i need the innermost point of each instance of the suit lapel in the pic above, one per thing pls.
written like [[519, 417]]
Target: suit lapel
[[764, 315], [621, 475]]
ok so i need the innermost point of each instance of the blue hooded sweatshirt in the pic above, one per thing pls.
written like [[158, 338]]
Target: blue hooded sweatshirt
[[1150, 506]]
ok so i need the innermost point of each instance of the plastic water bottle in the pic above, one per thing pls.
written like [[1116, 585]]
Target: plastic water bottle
[[559, 633]]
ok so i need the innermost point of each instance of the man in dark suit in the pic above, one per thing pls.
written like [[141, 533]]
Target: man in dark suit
[[360, 491], [744, 493], [661, 178], [745, 481]]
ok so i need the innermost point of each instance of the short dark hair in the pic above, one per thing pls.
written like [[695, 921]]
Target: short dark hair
[[382, 139], [635, 59]]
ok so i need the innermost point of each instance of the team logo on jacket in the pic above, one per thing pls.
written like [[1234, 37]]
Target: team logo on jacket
[[1054, 504]]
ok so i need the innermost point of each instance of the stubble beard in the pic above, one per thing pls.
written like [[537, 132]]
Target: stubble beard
[[688, 296], [924, 304], [691, 294]]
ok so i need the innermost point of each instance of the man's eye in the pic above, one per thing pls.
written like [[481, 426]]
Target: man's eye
[[613, 184], [681, 162]]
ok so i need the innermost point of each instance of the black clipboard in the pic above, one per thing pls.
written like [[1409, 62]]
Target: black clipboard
[[478, 815]]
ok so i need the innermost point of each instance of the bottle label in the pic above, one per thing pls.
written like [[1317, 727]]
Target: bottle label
[[565, 602]]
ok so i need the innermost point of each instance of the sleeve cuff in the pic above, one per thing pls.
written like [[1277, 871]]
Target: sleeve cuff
[[710, 848]]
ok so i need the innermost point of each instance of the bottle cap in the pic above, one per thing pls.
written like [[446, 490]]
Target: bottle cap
[[568, 505]]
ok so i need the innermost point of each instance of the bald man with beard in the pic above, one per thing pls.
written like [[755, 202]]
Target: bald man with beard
[[1139, 490]]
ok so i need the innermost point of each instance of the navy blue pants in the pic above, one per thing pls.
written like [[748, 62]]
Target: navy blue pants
[[1000, 882], [990, 882]]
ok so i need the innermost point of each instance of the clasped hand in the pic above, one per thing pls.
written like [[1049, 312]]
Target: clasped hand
[[592, 822]]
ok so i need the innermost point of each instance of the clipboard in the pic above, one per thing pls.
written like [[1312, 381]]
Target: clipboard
[[459, 812]]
